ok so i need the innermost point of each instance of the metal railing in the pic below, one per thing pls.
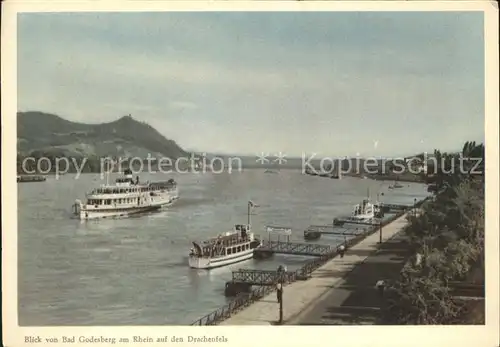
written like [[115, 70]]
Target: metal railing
[[245, 300], [295, 248], [240, 302], [261, 277]]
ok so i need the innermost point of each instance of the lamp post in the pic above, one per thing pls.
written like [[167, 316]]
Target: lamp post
[[281, 275], [380, 232]]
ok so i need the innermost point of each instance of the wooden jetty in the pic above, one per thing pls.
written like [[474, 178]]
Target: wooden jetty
[[398, 208], [395, 207], [30, 178], [308, 249], [342, 221], [261, 277], [243, 279], [314, 232]]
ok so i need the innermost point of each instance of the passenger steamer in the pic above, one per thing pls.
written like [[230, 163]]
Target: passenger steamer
[[366, 211], [126, 197], [227, 248]]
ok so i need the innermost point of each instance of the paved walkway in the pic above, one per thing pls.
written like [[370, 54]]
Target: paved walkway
[[307, 294], [354, 299]]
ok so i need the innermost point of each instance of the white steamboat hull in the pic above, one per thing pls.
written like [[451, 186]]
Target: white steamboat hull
[[89, 213], [99, 214], [210, 263], [363, 217]]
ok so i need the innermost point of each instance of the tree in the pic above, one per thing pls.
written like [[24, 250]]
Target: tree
[[449, 237]]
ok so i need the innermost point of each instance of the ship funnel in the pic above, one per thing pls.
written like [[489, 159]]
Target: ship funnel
[[128, 173]]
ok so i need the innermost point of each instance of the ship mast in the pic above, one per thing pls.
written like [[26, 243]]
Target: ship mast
[[251, 205], [248, 212]]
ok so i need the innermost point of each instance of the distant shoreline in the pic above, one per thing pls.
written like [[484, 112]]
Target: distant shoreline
[[406, 178], [78, 165]]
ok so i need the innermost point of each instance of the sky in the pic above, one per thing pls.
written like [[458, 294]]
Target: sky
[[330, 83]]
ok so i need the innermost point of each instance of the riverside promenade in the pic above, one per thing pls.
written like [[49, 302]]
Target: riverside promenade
[[354, 300], [300, 297]]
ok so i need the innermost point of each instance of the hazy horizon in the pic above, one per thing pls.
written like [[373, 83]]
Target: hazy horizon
[[338, 83]]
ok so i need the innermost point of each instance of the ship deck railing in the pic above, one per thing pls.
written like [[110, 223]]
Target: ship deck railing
[[230, 244]]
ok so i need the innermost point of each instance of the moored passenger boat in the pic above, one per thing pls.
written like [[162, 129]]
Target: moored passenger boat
[[366, 211], [225, 249], [126, 197]]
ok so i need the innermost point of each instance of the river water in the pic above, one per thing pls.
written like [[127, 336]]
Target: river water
[[134, 271]]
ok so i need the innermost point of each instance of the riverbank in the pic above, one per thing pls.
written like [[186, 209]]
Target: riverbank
[[404, 177], [300, 295]]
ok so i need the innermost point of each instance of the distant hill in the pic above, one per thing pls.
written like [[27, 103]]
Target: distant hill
[[45, 134]]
